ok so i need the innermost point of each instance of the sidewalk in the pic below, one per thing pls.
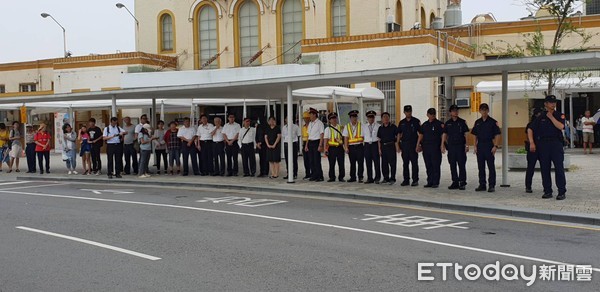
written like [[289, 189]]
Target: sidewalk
[[581, 206]]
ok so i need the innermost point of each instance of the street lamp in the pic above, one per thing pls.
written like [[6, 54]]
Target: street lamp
[[137, 23], [46, 15]]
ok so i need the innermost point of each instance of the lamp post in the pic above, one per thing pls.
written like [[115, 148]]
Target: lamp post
[[137, 24], [46, 15]]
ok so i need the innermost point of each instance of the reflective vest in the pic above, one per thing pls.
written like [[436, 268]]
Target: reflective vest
[[355, 137], [305, 133], [332, 140]]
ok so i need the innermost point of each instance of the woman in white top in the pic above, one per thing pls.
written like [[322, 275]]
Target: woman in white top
[[69, 148], [160, 146]]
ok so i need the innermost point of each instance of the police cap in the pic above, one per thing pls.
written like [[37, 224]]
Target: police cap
[[332, 116], [353, 113], [550, 98], [371, 114], [453, 107]]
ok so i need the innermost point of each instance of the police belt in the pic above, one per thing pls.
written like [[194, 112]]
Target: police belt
[[548, 139], [388, 143]]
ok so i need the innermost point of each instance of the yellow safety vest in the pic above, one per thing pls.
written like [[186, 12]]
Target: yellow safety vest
[[355, 137], [332, 141], [305, 133]]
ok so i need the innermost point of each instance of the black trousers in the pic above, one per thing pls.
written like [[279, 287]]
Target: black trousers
[[163, 154], [95, 155], [457, 158], [41, 156], [552, 152], [372, 159], [114, 155], [432, 154], [485, 156], [532, 159], [316, 169], [219, 157], [206, 152], [30, 153], [187, 152], [306, 159], [336, 154], [131, 159], [232, 152], [389, 159], [356, 153], [295, 148], [262, 160], [410, 157], [248, 159]]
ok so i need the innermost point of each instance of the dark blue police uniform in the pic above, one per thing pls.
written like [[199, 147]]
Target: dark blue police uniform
[[387, 140], [409, 129], [432, 152], [485, 131], [549, 144], [532, 159], [456, 146]]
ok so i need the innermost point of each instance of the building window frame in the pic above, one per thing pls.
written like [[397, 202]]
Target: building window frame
[[27, 87], [161, 32], [198, 61], [330, 15], [237, 31], [281, 48], [2, 88]]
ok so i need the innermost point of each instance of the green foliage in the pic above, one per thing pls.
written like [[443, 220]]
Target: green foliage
[[521, 151]]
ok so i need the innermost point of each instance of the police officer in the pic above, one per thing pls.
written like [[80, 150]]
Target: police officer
[[305, 156], [314, 147], [455, 141], [334, 147], [430, 142], [387, 148], [486, 131], [353, 142], [546, 138], [532, 157], [370, 129], [408, 134]]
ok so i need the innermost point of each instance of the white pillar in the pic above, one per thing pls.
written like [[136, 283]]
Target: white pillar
[[505, 129], [114, 106], [282, 121], [153, 118], [162, 110], [571, 120], [71, 118], [268, 111], [245, 110], [226, 115], [192, 114], [290, 116], [361, 109]]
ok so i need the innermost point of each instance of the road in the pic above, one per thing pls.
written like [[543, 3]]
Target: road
[[99, 237]]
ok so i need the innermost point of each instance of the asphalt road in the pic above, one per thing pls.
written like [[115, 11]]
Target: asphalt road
[[98, 237]]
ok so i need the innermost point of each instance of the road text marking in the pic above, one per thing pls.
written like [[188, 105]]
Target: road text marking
[[414, 221], [100, 192], [242, 201]]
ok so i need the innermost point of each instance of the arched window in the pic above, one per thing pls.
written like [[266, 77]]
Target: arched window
[[166, 33], [338, 18], [399, 17], [247, 43], [431, 19], [292, 28], [423, 19], [208, 44]]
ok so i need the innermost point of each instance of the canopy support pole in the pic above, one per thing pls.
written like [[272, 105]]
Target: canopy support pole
[[114, 106], [71, 118], [572, 138], [153, 119], [361, 109], [282, 121], [162, 110], [245, 110], [226, 115], [192, 114], [268, 111], [505, 130], [290, 150]]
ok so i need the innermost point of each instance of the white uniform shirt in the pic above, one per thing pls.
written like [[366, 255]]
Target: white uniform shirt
[[587, 128], [204, 132], [295, 133], [186, 132], [370, 132], [315, 129], [110, 131], [138, 128], [218, 136], [354, 129], [327, 134], [230, 130], [248, 137]]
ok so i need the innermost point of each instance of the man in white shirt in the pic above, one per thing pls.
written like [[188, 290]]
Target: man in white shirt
[[295, 147], [353, 142], [231, 132], [187, 134], [218, 148], [205, 137], [314, 147], [370, 129], [247, 136], [588, 131], [114, 150]]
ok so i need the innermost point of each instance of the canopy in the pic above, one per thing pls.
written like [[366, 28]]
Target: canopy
[[341, 94], [566, 85]]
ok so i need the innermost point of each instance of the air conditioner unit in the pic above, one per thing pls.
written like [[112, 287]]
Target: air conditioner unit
[[392, 26], [463, 102]]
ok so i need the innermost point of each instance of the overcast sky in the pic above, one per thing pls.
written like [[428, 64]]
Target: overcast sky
[[99, 27]]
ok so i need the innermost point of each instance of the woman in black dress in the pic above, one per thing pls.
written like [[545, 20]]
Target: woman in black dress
[[273, 140]]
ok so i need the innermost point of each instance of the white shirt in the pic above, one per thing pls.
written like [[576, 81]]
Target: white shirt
[[230, 130], [327, 134], [110, 131], [204, 132], [138, 128], [588, 128], [247, 138], [370, 132], [295, 133], [186, 132], [315, 129], [354, 129], [218, 136]]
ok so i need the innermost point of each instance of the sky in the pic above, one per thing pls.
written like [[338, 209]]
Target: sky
[[99, 27]]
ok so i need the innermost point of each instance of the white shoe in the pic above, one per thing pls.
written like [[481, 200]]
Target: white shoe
[[70, 172], [142, 176], [75, 172]]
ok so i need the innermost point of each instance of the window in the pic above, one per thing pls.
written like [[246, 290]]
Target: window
[[27, 87], [389, 91], [423, 19], [207, 35], [292, 30], [2, 88], [431, 20], [248, 32], [338, 18], [166, 33], [399, 13]]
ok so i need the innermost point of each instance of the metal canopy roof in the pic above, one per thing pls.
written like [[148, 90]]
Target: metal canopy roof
[[274, 88]]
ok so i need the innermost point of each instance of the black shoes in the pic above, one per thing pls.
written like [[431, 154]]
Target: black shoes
[[462, 185], [352, 180], [453, 186], [342, 180], [435, 186], [405, 183], [427, 186], [370, 181], [528, 190], [561, 197], [491, 190], [306, 177], [547, 196], [331, 180], [118, 176], [481, 189], [414, 184]]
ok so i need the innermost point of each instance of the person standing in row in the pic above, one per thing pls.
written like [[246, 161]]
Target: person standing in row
[[334, 147], [231, 134], [218, 148], [205, 136], [409, 129], [487, 132], [187, 135], [273, 145], [315, 145], [430, 142], [532, 156], [587, 130], [42, 142], [145, 141], [96, 139], [129, 148], [387, 135], [4, 145], [455, 141], [305, 156], [160, 146], [16, 148], [353, 144], [263, 162], [70, 148], [174, 146], [30, 149], [546, 139], [371, 142], [85, 150], [247, 139], [114, 150], [295, 148]]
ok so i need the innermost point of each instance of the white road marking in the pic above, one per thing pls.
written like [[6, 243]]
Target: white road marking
[[99, 192], [13, 183], [130, 252], [439, 243], [34, 186], [414, 221], [242, 201]]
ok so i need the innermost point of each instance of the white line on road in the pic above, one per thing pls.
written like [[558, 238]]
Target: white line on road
[[439, 243], [34, 186], [13, 183], [130, 252]]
